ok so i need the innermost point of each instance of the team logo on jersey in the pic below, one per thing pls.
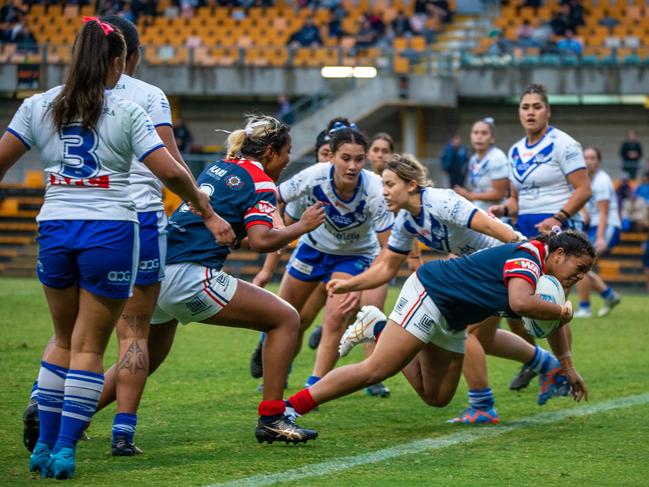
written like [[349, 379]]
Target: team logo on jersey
[[527, 163], [478, 171], [234, 182]]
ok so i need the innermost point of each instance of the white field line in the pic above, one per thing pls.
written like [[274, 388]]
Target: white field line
[[466, 436]]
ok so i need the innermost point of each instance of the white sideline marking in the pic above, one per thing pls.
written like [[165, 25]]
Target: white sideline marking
[[468, 436]]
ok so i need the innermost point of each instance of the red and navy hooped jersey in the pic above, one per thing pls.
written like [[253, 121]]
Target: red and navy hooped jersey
[[241, 193], [469, 289]]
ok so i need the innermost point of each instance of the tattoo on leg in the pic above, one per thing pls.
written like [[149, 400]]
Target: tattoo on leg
[[134, 359], [136, 322]]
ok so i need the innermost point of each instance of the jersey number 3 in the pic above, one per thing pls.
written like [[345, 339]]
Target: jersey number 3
[[79, 158]]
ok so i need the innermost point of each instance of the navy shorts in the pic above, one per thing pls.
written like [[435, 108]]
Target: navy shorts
[[97, 255], [611, 235], [309, 264], [526, 224], [153, 247]]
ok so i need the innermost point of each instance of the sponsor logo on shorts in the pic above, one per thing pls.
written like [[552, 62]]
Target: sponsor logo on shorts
[[149, 265], [119, 276], [425, 324], [304, 268], [196, 305], [400, 305]]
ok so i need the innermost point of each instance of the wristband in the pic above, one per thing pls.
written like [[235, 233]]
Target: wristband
[[565, 213], [559, 217]]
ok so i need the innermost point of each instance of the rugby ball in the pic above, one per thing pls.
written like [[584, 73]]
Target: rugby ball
[[549, 289]]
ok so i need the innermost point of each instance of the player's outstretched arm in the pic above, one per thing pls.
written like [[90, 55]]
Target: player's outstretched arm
[[560, 343], [264, 239], [176, 178], [524, 302], [11, 149], [384, 268], [493, 227]]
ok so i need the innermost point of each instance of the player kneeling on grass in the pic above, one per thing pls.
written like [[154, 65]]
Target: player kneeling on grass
[[424, 337], [195, 288]]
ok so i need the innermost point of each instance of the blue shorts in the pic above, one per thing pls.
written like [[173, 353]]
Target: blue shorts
[[153, 247], [526, 224], [611, 236], [309, 264], [97, 255]]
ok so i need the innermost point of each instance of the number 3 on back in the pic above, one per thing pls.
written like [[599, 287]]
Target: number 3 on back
[[79, 159]]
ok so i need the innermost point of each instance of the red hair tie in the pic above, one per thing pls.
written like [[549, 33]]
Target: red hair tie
[[107, 28]]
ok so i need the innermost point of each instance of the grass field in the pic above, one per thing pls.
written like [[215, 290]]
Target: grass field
[[198, 414]]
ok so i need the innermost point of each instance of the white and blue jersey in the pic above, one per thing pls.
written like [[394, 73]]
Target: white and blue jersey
[[87, 225], [603, 190], [482, 172], [350, 225], [146, 189], [443, 225], [87, 171], [469, 289], [241, 193], [539, 173]]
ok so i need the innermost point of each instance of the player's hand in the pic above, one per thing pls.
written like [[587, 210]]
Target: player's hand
[[462, 192], [351, 302], [578, 387], [313, 216], [278, 221], [600, 245], [566, 313], [222, 230], [547, 225], [262, 278], [496, 210], [336, 286]]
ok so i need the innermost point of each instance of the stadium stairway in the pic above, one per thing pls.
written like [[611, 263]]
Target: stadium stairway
[[366, 96], [623, 268]]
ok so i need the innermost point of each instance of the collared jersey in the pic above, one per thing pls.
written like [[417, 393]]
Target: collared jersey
[[493, 166], [539, 172], [469, 289], [443, 225], [241, 193], [146, 188], [87, 171], [350, 226], [603, 190]]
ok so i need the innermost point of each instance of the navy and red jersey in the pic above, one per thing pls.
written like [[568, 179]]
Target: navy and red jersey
[[469, 289], [241, 193]]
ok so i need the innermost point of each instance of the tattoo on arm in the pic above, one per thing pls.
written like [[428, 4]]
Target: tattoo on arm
[[136, 322]]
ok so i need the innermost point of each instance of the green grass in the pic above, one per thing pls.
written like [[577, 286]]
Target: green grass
[[199, 410]]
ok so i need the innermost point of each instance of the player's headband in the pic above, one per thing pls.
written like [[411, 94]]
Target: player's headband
[[107, 28], [252, 126]]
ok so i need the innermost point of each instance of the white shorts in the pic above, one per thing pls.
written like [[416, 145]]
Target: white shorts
[[416, 312], [192, 292]]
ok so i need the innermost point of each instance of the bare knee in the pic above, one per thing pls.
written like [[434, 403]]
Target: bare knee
[[287, 319], [435, 400]]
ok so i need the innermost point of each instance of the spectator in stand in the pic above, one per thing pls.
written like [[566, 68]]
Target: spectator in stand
[[285, 111], [524, 35], [335, 25], [569, 45], [366, 36], [609, 21], [500, 46], [542, 34], [307, 36], [631, 154], [183, 136], [562, 21], [376, 23], [401, 25], [441, 10], [576, 13], [10, 13], [634, 214], [642, 191], [455, 159]]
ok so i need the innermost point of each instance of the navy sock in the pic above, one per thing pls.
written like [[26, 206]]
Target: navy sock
[[124, 425], [378, 327], [607, 293], [584, 304], [34, 395]]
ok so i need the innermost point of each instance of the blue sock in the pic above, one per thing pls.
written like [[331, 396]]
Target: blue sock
[[34, 395], [378, 327], [82, 391], [584, 304], [311, 380], [124, 424], [481, 398], [51, 379], [542, 362], [607, 293]]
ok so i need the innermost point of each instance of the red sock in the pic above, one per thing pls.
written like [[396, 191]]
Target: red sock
[[272, 408], [302, 402]]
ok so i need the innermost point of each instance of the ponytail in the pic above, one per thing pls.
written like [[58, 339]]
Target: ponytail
[[260, 132], [82, 97]]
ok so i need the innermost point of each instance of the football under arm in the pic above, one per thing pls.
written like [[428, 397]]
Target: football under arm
[[524, 302], [11, 149]]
